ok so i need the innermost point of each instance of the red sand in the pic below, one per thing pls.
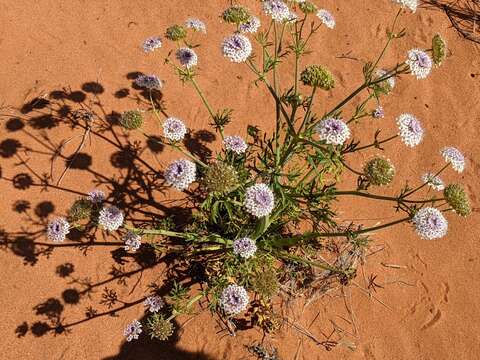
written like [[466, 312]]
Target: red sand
[[430, 301]]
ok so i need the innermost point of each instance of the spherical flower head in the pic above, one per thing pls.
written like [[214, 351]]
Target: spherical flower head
[[317, 75], [150, 82], [457, 199], [81, 209], [307, 7], [236, 15], [234, 299], [379, 171], [174, 129], [176, 33], [235, 143], [250, 26], [430, 223], [419, 62], [387, 85], [378, 113], [244, 247], [259, 200], [333, 131], [57, 229], [326, 18], [96, 196], [155, 303], [237, 48], [411, 4], [454, 157], [133, 330], [159, 328], [131, 119], [221, 178], [433, 181], [277, 10], [439, 50], [196, 25], [132, 241], [187, 57], [266, 283], [410, 130], [152, 43], [110, 218], [180, 174]]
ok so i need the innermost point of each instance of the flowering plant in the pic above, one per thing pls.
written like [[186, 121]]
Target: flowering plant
[[264, 218]]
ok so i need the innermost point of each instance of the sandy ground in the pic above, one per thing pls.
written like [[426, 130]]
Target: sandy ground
[[428, 306]]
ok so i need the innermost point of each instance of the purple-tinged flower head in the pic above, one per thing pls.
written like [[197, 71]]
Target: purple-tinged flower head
[[277, 10], [435, 182], [326, 18], [196, 25], [110, 218], [155, 303], [333, 131], [235, 143], [152, 43], [454, 157], [387, 84], [151, 82], [132, 241], [419, 62], [410, 130], [187, 57], [96, 196], [180, 174], [234, 299], [378, 113], [259, 200], [244, 247], [237, 48], [411, 4], [251, 26], [174, 129], [430, 223], [57, 229], [133, 330]]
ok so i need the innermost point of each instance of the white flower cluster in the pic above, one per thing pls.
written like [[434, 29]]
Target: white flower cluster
[[410, 129], [180, 174], [174, 129], [259, 200], [333, 131], [430, 223]]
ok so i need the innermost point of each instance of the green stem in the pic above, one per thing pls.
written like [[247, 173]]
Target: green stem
[[387, 198], [374, 144]]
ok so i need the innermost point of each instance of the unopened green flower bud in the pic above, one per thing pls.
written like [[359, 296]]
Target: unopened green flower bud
[[159, 328], [176, 33], [221, 178], [81, 209], [317, 75], [457, 199], [266, 283], [307, 7], [236, 15], [439, 49], [379, 171], [131, 119]]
